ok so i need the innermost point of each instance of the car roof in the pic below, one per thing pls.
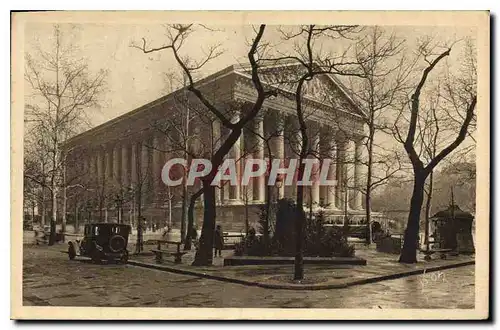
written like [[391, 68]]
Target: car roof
[[107, 224]]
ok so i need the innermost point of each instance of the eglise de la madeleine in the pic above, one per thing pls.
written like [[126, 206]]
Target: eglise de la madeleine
[[127, 154]]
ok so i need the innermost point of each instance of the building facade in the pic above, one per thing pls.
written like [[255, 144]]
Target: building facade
[[123, 158]]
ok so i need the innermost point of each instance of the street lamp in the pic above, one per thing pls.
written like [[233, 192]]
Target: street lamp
[[119, 202], [89, 210], [279, 184]]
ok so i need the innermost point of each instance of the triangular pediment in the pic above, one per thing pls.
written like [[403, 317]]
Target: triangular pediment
[[324, 88]]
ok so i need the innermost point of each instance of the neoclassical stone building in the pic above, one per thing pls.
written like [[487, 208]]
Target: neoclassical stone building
[[127, 154]]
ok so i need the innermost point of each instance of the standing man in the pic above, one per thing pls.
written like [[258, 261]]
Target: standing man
[[218, 241], [139, 247]]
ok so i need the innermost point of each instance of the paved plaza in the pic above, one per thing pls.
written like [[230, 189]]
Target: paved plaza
[[50, 279]]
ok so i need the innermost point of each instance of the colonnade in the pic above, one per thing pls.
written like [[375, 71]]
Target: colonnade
[[130, 162]]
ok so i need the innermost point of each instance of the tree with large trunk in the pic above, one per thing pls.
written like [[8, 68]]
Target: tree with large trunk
[[422, 171], [177, 34]]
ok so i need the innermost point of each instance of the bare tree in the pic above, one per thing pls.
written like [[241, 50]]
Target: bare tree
[[177, 35], [63, 88], [385, 71], [312, 63], [422, 171]]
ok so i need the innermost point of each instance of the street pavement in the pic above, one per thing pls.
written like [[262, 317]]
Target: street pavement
[[50, 279]]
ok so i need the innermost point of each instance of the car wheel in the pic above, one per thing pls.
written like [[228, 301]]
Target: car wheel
[[71, 251]]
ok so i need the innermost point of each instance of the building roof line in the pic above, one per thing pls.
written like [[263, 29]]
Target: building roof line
[[161, 100], [231, 69]]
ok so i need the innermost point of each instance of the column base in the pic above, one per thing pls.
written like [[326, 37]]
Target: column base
[[256, 202], [230, 202]]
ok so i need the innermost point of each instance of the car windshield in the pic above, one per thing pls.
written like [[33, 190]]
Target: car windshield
[[98, 230]]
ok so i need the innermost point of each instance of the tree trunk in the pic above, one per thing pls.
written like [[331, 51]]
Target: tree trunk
[[184, 211], [190, 225], [139, 224], [33, 214], [310, 204], [64, 206], [265, 234], [346, 213], [368, 195], [410, 246], [77, 225], [42, 208], [428, 203], [101, 207], [170, 213], [299, 229], [203, 255], [247, 224], [268, 198], [53, 219]]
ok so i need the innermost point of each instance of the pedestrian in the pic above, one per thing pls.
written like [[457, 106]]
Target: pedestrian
[[139, 247], [194, 233], [218, 241]]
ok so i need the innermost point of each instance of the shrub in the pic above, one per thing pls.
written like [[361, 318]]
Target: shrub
[[319, 241], [334, 243], [263, 214], [284, 237], [254, 245]]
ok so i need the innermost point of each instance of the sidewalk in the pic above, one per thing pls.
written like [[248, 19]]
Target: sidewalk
[[380, 267]]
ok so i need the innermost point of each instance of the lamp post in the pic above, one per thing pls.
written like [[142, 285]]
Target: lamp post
[[279, 184], [119, 202], [89, 210]]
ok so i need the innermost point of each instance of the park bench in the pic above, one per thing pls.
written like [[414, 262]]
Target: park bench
[[227, 237], [442, 253], [159, 252]]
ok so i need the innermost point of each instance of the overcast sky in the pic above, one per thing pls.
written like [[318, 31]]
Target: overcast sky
[[136, 78]]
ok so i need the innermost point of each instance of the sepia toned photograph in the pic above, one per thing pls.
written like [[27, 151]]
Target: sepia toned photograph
[[241, 165]]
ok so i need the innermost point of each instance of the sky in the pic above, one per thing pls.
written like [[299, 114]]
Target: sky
[[135, 78]]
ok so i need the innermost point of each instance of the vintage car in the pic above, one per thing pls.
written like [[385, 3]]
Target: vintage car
[[102, 241]]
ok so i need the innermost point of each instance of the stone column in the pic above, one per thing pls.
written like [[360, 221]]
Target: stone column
[[329, 192], [259, 186], [225, 185], [125, 166], [277, 144], [294, 137], [92, 165], [315, 172], [156, 170], [108, 165], [133, 164], [100, 161], [145, 172], [86, 162], [235, 153], [340, 190], [116, 163], [358, 175], [350, 161]]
